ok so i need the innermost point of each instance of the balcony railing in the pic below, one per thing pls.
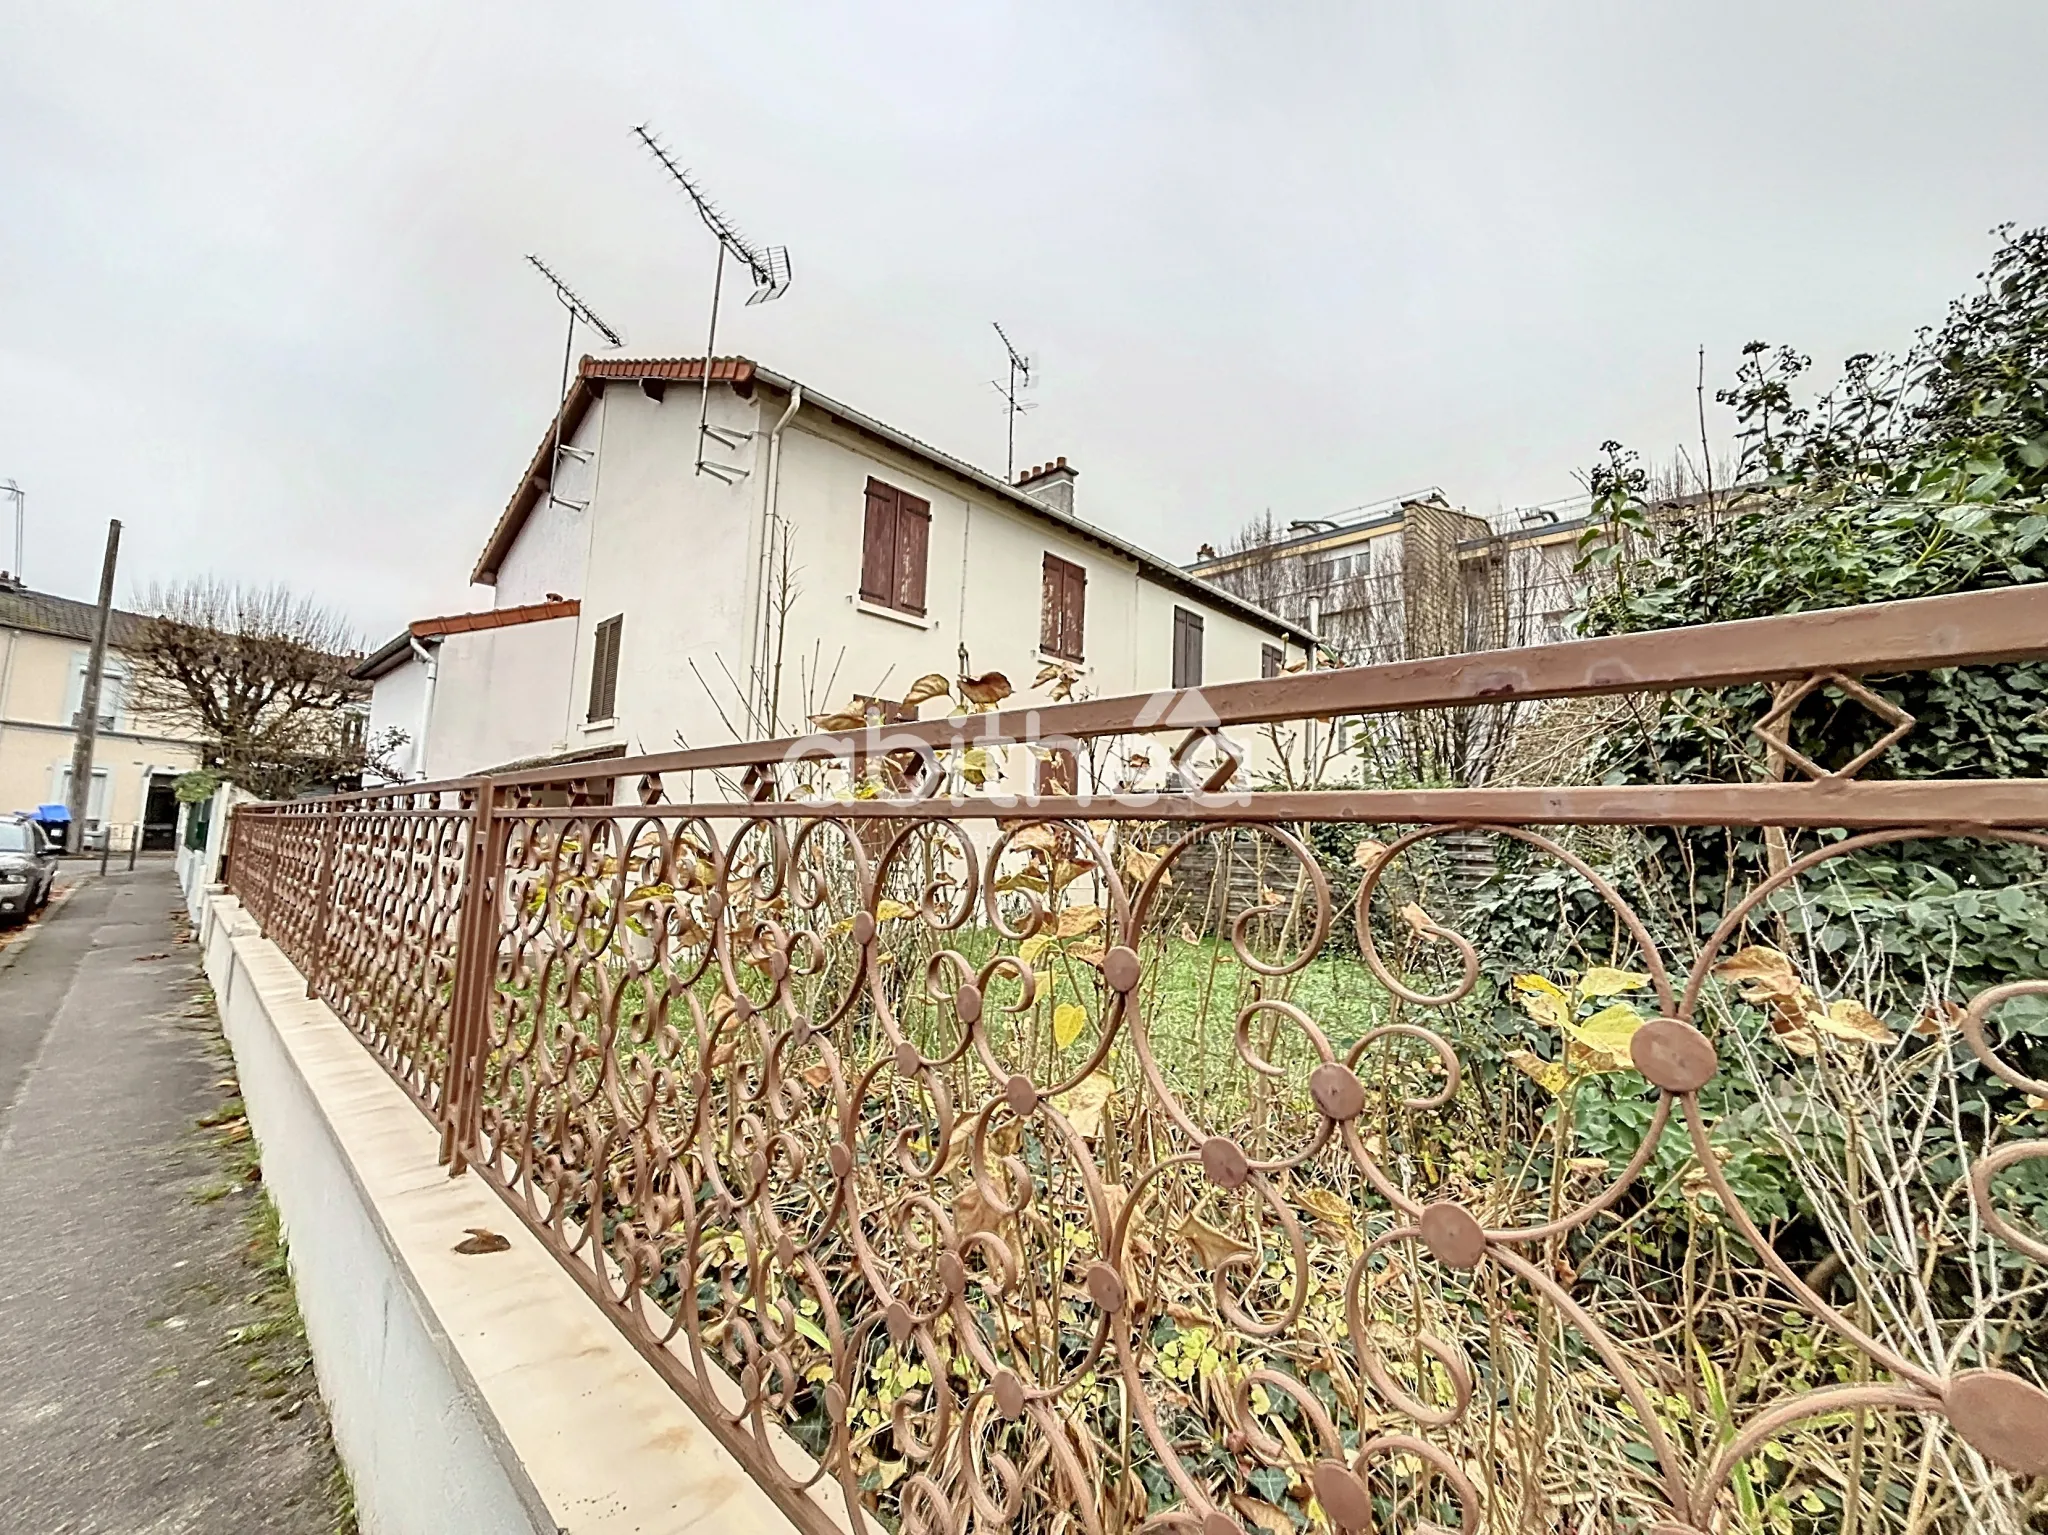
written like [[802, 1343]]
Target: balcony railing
[[1184, 1157]]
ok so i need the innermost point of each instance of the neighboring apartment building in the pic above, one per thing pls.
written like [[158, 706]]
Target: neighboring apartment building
[[1414, 576], [819, 557], [47, 641]]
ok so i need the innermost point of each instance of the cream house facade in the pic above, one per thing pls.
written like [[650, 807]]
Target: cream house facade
[[818, 558], [45, 642]]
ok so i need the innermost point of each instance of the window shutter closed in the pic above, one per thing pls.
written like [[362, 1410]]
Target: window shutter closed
[[1270, 660], [1075, 609], [878, 546], [913, 543], [1062, 608], [1059, 772], [1187, 649], [604, 669]]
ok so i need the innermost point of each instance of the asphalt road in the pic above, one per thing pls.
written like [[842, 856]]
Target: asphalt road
[[126, 1401]]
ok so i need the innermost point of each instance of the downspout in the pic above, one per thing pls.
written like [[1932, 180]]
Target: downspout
[[432, 661], [771, 498]]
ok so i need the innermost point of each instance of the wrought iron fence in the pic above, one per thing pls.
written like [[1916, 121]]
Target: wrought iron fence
[[1159, 1158]]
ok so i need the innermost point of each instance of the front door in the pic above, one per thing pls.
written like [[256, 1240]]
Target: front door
[[160, 815]]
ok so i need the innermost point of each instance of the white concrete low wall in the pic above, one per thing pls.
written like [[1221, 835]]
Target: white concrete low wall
[[468, 1393]]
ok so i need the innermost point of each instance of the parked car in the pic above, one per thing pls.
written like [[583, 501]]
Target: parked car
[[28, 868]]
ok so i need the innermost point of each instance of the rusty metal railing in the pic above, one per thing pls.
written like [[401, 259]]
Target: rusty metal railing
[[1144, 1160]]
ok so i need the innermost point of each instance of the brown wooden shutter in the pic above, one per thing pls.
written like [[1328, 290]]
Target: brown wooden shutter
[[913, 545], [1062, 608], [1059, 772], [604, 669], [1271, 660], [1187, 649], [1074, 610], [878, 546]]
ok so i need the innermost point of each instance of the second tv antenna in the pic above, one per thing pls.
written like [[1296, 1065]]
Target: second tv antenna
[[768, 265], [1013, 403], [572, 301]]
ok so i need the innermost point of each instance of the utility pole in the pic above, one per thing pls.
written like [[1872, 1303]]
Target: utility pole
[[89, 700]]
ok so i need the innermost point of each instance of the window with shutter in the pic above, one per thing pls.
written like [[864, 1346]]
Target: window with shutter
[[1187, 649], [913, 545], [604, 669], [1062, 608], [878, 545], [895, 547], [1271, 660], [1059, 772]]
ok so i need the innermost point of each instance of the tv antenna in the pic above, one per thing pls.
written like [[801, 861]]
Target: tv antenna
[[1013, 405], [20, 499], [768, 265], [572, 301]]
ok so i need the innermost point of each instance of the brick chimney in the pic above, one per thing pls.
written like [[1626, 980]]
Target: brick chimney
[[1052, 484]]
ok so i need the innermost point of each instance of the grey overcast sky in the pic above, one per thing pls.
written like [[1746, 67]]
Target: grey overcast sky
[[262, 295]]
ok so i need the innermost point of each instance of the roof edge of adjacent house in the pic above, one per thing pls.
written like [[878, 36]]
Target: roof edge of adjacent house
[[394, 650], [742, 374]]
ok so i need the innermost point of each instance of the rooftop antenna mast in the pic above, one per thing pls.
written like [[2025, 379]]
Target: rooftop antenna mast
[[1013, 406], [768, 265], [578, 310], [20, 499]]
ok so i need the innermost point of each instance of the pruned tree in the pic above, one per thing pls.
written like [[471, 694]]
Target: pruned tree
[[262, 676]]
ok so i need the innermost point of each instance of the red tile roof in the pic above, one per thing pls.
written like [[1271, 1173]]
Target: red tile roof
[[496, 618]]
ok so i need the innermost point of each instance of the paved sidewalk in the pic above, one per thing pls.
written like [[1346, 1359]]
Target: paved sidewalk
[[127, 1406]]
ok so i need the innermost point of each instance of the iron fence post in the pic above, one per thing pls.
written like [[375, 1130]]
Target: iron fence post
[[324, 882], [475, 953]]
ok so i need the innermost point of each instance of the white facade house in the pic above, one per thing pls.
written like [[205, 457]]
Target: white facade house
[[818, 558], [473, 690]]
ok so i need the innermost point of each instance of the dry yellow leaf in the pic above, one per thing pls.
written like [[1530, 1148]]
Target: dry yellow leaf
[[1086, 1102], [1542, 1001], [1417, 918], [1851, 1020], [1551, 1076], [1139, 862], [1764, 969], [1367, 853], [1075, 920], [1936, 1016], [1606, 1035], [985, 691], [843, 719], [1068, 1020], [889, 911], [1034, 838], [1326, 1206], [1032, 947], [1213, 1247], [971, 1212], [930, 685], [1606, 981], [1262, 1514], [1066, 871], [1796, 1037]]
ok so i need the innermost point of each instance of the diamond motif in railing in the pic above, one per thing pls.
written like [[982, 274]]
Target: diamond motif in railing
[[1771, 728]]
